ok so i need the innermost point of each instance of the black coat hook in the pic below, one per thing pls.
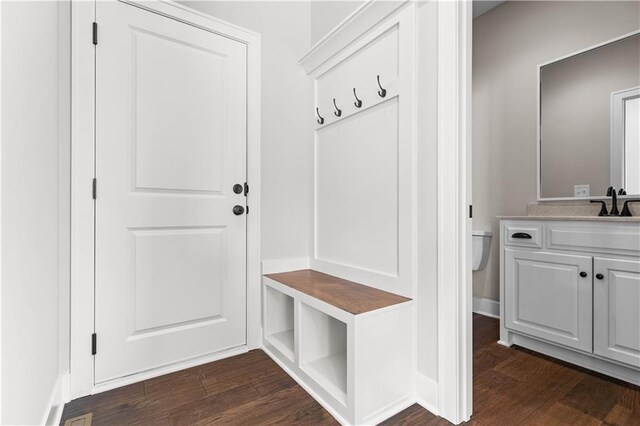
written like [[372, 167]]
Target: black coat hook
[[320, 120], [358, 102], [382, 92], [338, 111]]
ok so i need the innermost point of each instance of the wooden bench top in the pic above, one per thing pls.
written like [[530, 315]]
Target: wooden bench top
[[349, 296]]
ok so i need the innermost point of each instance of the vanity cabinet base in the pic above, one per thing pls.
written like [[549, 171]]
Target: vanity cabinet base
[[575, 294], [587, 361]]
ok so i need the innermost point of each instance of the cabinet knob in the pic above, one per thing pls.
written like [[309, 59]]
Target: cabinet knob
[[583, 274], [600, 276]]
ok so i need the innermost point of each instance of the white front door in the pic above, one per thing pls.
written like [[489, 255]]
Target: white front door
[[170, 254]]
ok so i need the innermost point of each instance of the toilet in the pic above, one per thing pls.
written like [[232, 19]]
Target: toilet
[[481, 245]]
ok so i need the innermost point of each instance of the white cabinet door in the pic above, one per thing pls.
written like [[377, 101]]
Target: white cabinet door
[[170, 145], [616, 307], [548, 296]]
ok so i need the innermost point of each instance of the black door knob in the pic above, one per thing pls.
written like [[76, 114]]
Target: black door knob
[[237, 188], [238, 210], [600, 276], [583, 274]]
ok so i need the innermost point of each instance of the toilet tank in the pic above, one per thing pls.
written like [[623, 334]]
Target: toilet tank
[[481, 241]]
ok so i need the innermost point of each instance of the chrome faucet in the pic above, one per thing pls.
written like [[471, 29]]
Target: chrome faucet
[[611, 192]]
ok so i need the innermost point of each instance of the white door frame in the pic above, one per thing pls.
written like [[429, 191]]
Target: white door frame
[[82, 173], [455, 320], [618, 169]]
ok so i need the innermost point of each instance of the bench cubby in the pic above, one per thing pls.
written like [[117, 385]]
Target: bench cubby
[[279, 322], [348, 344]]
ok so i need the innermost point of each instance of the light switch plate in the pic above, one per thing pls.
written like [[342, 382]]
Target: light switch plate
[[580, 190]]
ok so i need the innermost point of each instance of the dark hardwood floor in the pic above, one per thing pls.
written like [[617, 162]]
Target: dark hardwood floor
[[512, 386]]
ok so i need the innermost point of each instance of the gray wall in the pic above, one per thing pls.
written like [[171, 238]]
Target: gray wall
[[508, 44]]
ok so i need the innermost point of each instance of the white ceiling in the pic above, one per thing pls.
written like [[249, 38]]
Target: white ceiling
[[483, 6]]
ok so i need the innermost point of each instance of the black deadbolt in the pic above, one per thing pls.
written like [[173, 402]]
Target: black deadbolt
[[237, 188], [600, 276], [583, 274], [238, 210]]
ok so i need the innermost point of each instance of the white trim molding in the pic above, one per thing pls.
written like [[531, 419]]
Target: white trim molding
[[82, 166], [347, 32], [454, 224], [487, 307]]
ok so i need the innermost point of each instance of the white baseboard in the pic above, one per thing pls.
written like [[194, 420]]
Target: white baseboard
[[427, 393], [486, 307], [53, 412], [274, 266]]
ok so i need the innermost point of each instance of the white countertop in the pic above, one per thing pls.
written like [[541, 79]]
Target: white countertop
[[633, 219]]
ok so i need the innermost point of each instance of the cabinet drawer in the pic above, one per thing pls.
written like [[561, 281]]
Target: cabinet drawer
[[617, 238], [523, 235]]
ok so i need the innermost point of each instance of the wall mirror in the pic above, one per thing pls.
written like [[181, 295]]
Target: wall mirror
[[589, 122]]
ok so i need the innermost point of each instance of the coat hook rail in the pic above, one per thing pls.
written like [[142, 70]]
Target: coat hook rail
[[338, 111], [358, 102], [382, 92], [320, 120]]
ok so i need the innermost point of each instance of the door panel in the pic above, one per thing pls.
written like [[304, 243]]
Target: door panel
[[548, 297], [190, 257], [188, 156], [616, 303], [170, 145]]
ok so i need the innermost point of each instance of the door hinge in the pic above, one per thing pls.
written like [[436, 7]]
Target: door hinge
[[470, 211], [95, 33], [246, 189], [94, 188], [94, 344]]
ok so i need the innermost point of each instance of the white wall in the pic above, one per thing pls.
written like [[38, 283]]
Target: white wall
[[287, 143], [30, 210], [325, 15], [508, 44]]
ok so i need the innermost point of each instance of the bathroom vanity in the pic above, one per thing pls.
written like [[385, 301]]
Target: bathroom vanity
[[570, 288], [570, 275]]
